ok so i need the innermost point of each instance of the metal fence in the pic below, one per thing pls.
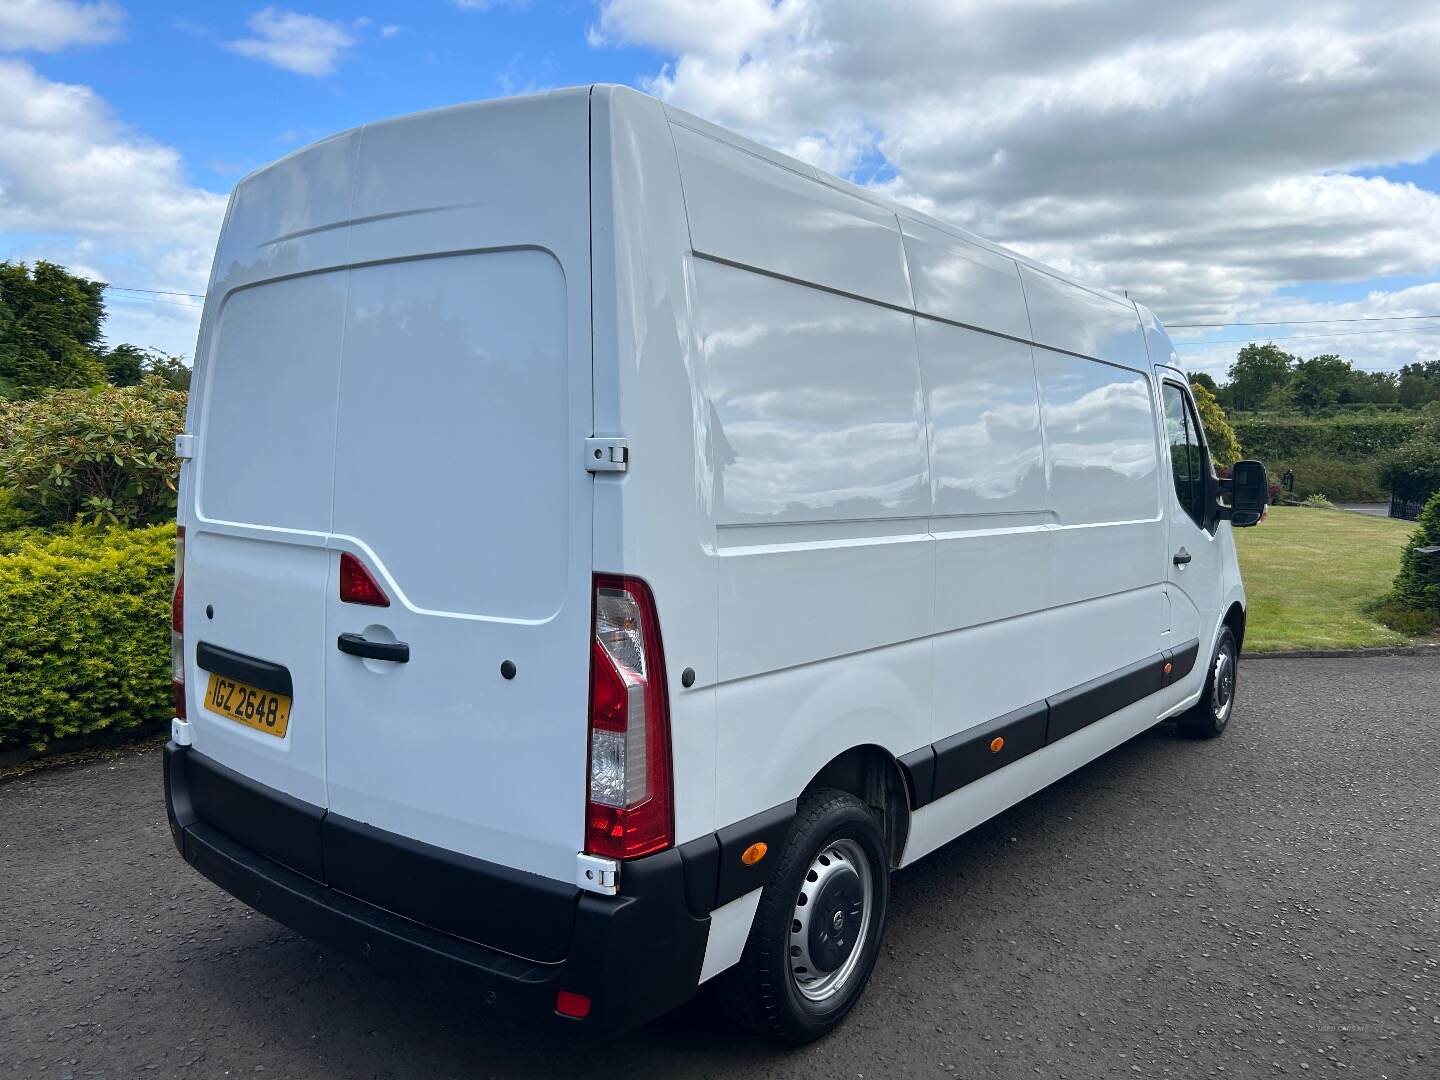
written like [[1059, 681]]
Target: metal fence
[[1409, 509]]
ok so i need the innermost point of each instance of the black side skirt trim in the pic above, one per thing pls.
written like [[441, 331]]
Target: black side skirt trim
[[1184, 659], [769, 827], [919, 769], [1085, 704], [964, 758], [935, 771]]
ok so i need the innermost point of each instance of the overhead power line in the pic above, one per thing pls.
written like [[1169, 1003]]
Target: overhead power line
[[156, 292], [1305, 337], [1295, 322], [157, 300]]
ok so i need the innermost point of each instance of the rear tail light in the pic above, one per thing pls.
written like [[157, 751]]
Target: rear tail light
[[630, 810], [569, 1003], [358, 585], [177, 626]]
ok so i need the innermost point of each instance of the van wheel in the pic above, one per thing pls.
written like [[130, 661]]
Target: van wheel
[[818, 927], [1211, 714]]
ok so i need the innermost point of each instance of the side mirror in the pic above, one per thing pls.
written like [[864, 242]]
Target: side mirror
[[1249, 493]]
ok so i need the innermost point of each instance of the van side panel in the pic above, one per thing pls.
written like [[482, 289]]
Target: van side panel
[[655, 519], [1079, 320], [821, 499], [990, 522], [749, 210], [818, 471], [962, 282], [1108, 561]]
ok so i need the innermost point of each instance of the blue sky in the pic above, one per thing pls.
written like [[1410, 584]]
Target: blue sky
[[1220, 162], [245, 111]]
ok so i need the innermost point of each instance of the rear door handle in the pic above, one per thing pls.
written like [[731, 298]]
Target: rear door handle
[[1182, 557], [397, 652]]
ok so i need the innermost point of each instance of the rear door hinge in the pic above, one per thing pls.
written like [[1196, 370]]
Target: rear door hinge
[[184, 447], [597, 875], [607, 454]]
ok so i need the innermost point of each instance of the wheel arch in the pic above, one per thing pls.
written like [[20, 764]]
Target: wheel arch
[[1235, 620], [872, 775]]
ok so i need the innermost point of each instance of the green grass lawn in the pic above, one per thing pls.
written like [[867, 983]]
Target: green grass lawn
[[1308, 573]]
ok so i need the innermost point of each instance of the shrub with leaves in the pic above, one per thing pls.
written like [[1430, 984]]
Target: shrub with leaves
[[1413, 471], [84, 633], [103, 456], [1224, 446], [1318, 501], [1417, 586]]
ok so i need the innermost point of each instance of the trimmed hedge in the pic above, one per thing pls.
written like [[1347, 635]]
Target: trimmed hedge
[[84, 633], [1340, 481], [1276, 438]]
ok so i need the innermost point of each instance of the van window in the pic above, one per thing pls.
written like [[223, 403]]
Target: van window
[[1186, 457]]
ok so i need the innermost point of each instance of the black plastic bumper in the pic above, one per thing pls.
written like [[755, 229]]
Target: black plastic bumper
[[635, 955]]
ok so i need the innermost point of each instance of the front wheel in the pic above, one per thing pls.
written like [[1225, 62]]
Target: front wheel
[[817, 929], [1209, 717]]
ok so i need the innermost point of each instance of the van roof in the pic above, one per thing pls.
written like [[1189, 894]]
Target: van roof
[[785, 161]]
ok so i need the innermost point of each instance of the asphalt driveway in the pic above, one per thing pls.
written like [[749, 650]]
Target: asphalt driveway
[[1264, 905]]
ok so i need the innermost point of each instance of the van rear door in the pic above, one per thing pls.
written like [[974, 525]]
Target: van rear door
[[459, 483], [399, 371]]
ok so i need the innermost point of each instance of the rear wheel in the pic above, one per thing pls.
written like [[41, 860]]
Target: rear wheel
[[818, 927], [1209, 717]]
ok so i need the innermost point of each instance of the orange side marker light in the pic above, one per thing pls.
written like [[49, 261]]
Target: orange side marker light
[[997, 744], [754, 853]]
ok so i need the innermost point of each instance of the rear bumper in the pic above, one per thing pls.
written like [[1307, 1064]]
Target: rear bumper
[[635, 955]]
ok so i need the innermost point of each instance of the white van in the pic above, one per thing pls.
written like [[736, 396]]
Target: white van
[[610, 548]]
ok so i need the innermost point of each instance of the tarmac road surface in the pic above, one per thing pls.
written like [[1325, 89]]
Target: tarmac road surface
[[1265, 905]]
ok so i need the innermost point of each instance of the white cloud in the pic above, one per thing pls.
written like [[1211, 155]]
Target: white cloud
[[49, 25], [1198, 155], [304, 44], [80, 188]]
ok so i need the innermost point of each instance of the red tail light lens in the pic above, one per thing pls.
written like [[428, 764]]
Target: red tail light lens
[[569, 1003], [630, 807], [358, 585], [177, 626]]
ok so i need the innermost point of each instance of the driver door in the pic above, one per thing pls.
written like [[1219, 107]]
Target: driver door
[[1194, 578]]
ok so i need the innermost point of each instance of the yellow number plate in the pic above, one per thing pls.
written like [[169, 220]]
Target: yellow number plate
[[254, 708]]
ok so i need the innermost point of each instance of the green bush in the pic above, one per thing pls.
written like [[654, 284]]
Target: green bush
[[104, 456], [1413, 471], [1417, 586], [1224, 447], [1348, 438], [84, 634], [11, 516]]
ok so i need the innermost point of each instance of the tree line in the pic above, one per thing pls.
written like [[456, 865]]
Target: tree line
[[1265, 378], [50, 336]]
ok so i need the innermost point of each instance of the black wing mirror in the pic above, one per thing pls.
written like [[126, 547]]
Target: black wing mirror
[[1249, 487]]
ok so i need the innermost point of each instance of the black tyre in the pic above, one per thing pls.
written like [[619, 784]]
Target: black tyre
[[1209, 717], [817, 930]]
